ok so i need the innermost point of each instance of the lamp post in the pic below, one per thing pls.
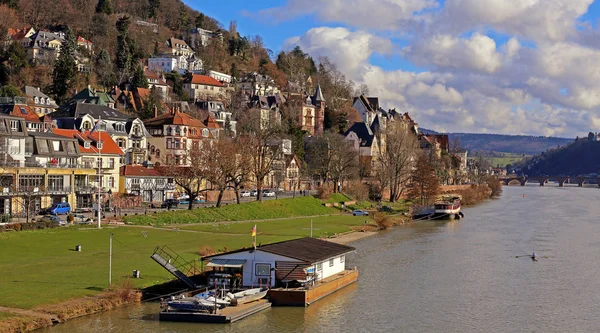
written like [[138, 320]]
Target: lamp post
[[109, 197]]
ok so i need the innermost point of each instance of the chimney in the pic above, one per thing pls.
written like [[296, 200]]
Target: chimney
[[155, 111]]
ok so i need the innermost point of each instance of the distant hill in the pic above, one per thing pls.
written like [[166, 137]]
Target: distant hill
[[580, 157], [516, 144]]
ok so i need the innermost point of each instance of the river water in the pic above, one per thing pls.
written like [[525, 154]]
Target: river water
[[445, 277]]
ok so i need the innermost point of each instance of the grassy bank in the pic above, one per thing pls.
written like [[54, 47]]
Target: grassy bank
[[41, 268], [281, 208]]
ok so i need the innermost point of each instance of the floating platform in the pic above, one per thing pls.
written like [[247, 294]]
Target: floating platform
[[305, 297], [229, 314]]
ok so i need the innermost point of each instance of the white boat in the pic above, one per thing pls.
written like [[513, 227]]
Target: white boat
[[247, 296], [195, 304]]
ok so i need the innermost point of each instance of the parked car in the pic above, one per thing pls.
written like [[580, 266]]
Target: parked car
[[53, 219], [59, 208], [359, 212], [268, 193], [254, 193], [186, 200], [386, 209], [244, 194], [170, 203]]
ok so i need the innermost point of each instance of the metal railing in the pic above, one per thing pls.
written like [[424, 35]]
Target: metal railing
[[176, 260]]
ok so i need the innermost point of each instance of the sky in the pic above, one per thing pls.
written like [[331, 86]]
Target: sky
[[480, 66]]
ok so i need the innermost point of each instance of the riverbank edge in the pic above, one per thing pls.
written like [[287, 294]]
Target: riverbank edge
[[50, 315]]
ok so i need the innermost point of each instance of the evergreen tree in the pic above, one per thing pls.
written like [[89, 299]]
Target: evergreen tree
[[228, 129], [9, 91], [124, 58], [65, 68], [152, 101], [199, 20], [156, 49], [153, 7], [139, 79], [183, 17], [104, 69], [104, 7]]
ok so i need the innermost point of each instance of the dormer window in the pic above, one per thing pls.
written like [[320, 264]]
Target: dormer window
[[36, 100], [42, 101], [86, 144], [99, 144], [205, 132]]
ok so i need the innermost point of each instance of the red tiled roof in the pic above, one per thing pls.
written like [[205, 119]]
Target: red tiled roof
[[211, 122], [83, 40], [205, 80], [109, 146], [175, 117], [21, 111], [139, 171]]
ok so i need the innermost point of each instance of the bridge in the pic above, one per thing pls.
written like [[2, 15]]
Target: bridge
[[543, 180]]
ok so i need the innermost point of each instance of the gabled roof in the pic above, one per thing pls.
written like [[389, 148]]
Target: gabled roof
[[371, 104], [310, 250], [77, 110], [174, 41], [210, 122], [109, 146], [139, 171], [205, 80], [21, 111], [93, 96], [174, 117], [363, 132]]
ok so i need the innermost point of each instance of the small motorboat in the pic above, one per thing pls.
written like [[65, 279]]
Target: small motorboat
[[197, 303], [247, 296]]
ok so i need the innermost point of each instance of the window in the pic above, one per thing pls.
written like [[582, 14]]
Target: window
[[152, 149], [111, 181], [86, 144], [98, 163], [331, 262], [56, 183], [71, 150], [205, 132], [320, 266], [158, 153], [86, 125], [14, 125], [111, 164], [177, 130], [263, 270], [169, 131], [169, 143], [30, 181], [99, 144], [135, 181], [121, 143], [42, 146]]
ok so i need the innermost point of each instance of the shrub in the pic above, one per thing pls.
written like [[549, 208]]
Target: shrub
[[70, 218], [357, 190], [206, 250], [383, 221], [324, 191]]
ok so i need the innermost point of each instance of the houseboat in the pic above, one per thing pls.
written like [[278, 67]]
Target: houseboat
[[448, 208]]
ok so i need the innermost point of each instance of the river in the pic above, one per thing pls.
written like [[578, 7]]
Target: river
[[445, 277]]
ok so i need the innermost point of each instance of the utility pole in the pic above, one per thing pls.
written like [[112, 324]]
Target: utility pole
[[110, 261], [310, 228]]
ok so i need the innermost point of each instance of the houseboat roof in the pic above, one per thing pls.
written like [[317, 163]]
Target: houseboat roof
[[311, 250]]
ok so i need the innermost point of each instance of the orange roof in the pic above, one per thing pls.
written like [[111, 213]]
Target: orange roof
[[210, 122], [205, 80], [109, 146], [139, 171], [83, 40], [174, 117], [21, 111]]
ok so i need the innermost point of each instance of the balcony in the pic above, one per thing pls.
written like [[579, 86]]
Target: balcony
[[86, 189], [58, 189]]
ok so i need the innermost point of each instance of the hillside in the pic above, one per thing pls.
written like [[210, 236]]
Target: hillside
[[580, 157], [515, 144]]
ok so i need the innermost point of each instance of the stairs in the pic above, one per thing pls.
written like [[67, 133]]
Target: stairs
[[172, 262]]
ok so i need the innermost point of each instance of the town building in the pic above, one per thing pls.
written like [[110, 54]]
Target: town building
[[173, 134], [203, 88], [272, 265], [366, 143], [128, 132], [221, 77], [182, 64], [41, 103], [223, 117], [255, 84], [156, 80], [90, 95], [179, 47], [18, 107], [147, 182], [201, 37]]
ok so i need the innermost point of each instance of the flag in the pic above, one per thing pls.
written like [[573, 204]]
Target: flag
[[95, 126], [254, 231]]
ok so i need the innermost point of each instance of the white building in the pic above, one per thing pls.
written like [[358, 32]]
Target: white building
[[178, 63], [146, 182], [221, 77], [275, 264]]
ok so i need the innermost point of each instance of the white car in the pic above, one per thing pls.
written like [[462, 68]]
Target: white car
[[268, 193], [254, 193], [245, 194]]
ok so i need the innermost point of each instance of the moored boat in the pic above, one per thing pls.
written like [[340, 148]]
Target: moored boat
[[247, 296]]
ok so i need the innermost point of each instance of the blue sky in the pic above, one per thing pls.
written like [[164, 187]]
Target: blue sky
[[505, 66]]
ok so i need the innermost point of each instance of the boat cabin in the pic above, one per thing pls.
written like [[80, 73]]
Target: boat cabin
[[303, 260]]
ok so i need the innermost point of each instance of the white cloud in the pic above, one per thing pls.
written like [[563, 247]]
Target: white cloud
[[543, 80]]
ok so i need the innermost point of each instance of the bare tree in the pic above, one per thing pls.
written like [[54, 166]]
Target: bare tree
[[395, 163], [343, 160], [261, 137], [222, 168], [425, 184], [188, 171]]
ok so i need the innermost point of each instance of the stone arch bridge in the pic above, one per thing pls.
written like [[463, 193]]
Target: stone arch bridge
[[543, 180]]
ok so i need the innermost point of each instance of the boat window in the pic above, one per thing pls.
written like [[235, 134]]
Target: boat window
[[320, 266], [263, 269], [331, 262]]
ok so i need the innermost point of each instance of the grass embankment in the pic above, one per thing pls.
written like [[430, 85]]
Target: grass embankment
[[271, 209], [337, 198], [40, 268]]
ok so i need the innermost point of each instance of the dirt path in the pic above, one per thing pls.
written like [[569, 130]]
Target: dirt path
[[351, 237]]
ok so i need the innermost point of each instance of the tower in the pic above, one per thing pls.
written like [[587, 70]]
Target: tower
[[319, 103]]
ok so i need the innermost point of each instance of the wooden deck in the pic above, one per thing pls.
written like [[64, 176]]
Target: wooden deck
[[229, 314]]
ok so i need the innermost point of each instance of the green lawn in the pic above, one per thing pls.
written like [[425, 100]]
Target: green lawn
[[281, 208], [323, 226], [337, 198], [40, 267]]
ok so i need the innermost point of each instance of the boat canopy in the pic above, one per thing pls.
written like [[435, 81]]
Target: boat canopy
[[237, 263]]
